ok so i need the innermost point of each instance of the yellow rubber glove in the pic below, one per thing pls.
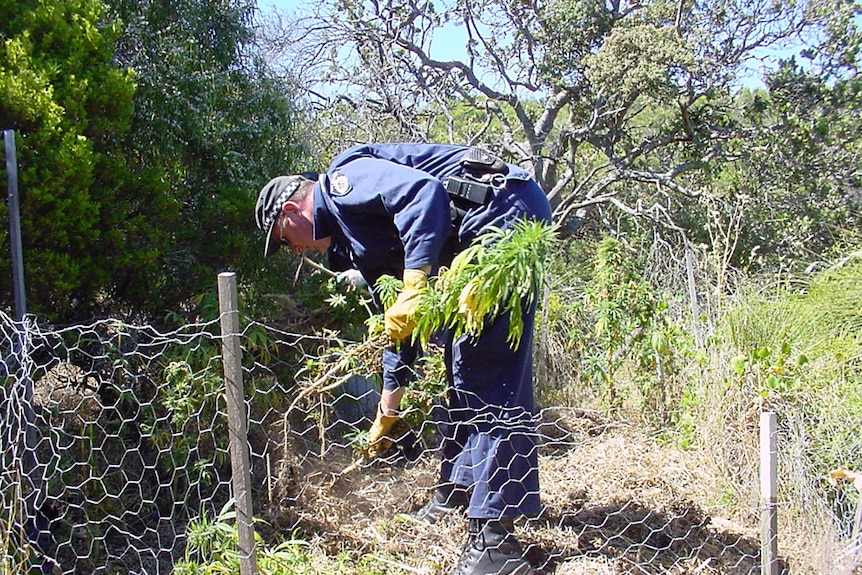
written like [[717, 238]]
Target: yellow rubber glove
[[379, 438], [400, 317]]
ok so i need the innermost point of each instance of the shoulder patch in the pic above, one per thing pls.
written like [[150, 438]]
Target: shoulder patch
[[339, 185]]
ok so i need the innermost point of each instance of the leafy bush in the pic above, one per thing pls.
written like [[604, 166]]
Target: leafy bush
[[796, 350], [609, 330], [213, 547]]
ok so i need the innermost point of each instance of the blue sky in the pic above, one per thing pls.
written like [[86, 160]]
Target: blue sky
[[284, 5], [449, 41]]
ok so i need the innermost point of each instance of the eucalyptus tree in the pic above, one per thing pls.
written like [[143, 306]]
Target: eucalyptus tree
[[628, 106]]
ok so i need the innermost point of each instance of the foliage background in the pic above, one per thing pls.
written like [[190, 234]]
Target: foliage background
[[143, 129], [710, 262]]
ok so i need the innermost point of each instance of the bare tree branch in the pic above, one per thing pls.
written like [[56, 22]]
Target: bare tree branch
[[587, 101]]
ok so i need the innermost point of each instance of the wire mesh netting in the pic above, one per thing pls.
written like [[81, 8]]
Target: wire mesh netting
[[114, 438]]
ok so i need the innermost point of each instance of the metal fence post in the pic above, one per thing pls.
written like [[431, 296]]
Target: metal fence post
[[237, 416], [769, 499], [31, 468], [14, 224]]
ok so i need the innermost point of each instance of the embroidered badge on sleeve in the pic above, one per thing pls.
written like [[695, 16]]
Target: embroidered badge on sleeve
[[339, 184]]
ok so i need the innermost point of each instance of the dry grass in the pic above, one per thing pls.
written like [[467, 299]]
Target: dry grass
[[616, 501]]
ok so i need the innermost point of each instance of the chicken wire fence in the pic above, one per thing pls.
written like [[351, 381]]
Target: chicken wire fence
[[115, 436]]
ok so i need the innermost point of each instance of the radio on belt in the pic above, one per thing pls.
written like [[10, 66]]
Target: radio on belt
[[469, 190]]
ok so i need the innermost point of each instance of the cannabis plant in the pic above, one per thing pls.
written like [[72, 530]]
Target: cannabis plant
[[212, 546], [500, 273]]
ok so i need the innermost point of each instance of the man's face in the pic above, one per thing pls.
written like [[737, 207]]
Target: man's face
[[295, 230]]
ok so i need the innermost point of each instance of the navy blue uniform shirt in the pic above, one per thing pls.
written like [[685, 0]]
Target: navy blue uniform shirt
[[386, 206]]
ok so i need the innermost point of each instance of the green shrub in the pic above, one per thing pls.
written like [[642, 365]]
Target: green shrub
[[796, 350]]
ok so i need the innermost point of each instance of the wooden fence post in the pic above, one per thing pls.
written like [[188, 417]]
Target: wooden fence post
[[237, 424], [769, 499], [692, 296]]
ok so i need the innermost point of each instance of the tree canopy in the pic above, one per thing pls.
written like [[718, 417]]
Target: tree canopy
[[625, 109], [144, 131], [66, 100], [146, 128], [212, 124]]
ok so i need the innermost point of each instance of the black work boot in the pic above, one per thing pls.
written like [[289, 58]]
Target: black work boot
[[492, 549], [447, 498]]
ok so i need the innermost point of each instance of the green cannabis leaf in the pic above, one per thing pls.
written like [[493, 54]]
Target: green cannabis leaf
[[502, 272]]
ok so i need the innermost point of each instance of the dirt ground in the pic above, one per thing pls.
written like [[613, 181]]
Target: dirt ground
[[615, 501]]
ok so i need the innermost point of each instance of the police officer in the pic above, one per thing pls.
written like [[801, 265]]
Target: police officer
[[405, 210]]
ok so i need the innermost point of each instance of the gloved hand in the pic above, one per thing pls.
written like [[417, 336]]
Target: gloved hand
[[351, 278], [379, 436], [399, 318]]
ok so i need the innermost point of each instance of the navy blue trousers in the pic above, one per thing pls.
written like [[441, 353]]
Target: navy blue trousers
[[488, 437]]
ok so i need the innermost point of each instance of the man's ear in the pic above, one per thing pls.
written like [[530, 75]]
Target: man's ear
[[290, 206]]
